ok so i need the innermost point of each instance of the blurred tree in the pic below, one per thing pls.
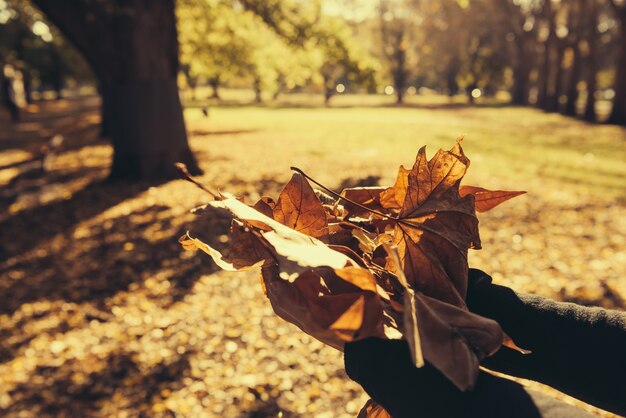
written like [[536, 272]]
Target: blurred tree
[[482, 47], [342, 58], [520, 18], [559, 47], [34, 47], [213, 45], [315, 41], [439, 44], [574, 42], [290, 19], [463, 45], [546, 71], [590, 51], [398, 20], [221, 43], [618, 114], [132, 47]]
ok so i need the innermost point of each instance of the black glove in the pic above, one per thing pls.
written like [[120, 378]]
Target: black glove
[[385, 370], [580, 351]]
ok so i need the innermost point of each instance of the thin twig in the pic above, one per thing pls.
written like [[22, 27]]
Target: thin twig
[[187, 176], [338, 196]]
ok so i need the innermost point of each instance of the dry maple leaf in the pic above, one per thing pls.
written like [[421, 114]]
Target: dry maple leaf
[[435, 226], [322, 303], [294, 251], [487, 199], [373, 410], [299, 208]]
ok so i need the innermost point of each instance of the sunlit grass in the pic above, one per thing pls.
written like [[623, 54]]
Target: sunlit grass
[[508, 145]]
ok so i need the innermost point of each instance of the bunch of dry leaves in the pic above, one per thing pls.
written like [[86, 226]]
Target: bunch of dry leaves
[[372, 261]]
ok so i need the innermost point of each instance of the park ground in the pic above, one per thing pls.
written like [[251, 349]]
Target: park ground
[[103, 314]]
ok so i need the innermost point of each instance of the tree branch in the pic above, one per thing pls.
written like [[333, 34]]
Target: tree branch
[[80, 22], [619, 10]]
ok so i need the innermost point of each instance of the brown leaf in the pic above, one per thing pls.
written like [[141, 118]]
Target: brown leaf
[[372, 410], [340, 233], [509, 343], [410, 319], [432, 265], [436, 226], [246, 248], [295, 251], [367, 240], [358, 277], [350, 321], [433, 231], [487, 199], [254, 255], [325, 306], [266, 206], [299, 208], [393, 197], [366, 196], [454, 340]]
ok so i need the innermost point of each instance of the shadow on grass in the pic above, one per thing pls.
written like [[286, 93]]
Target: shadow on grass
[[299, 105], [94, 263], [30, 227], [201, 132], [78, 124], [285, 103], [121, 379]]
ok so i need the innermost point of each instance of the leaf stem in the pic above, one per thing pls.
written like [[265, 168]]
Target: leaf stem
[[338, 196], [187, 176]]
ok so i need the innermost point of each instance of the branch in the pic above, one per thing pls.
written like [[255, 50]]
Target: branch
[[338, 196], [80, 23], [619, 10]]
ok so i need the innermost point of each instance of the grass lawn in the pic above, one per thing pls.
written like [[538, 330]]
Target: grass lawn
[[520, 147]]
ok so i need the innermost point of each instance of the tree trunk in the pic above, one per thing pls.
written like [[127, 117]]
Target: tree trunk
[[399, 78], [575, 26], [399, 95], [57, 78], [572, 83], [193, 84], [105, 111], [215, 84], [328, 94], [555, 90], [144, 148], [329, 87], [28, 86], [521, 75], [618, 113], [546, 91], [280, 86], [591, 60], [132, 47], [400, 73], [258, 93], [451, 83], [470, 88], [543, 70]]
